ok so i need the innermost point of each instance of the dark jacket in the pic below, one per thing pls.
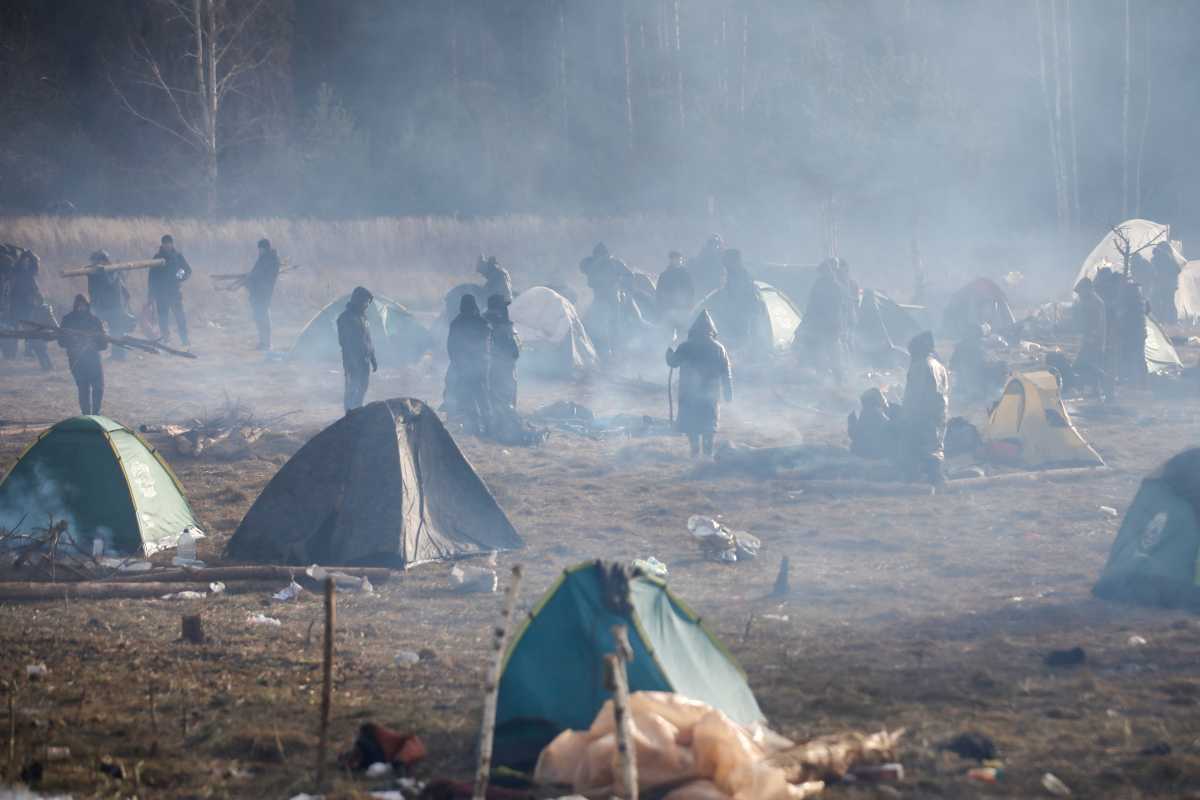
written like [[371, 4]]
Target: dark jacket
[[926, 403], [107, 291], [469, 344], [826, 318], [497, 281], [164, 282], [83, 352], [261, 281], [505, 350], [675, 290], [705, 378], [354, 337], [1092, 317], [26, 294]]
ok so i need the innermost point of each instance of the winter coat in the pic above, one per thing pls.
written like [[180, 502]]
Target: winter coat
[[705, 377], [926, 405], [354, 336], [260, 283], [83, 352], [164, 282]]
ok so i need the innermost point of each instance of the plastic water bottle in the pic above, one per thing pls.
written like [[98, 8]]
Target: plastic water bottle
[[186, 549], [97, 547]]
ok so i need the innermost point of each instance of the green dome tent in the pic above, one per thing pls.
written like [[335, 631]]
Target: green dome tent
[[1153, 560], [398, 337], [553, 676], [386, 484], [104, 481]]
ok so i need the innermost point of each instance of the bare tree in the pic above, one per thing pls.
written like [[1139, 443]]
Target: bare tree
[[222, 56]]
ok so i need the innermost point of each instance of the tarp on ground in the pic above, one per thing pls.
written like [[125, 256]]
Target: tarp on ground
[[104, 481], [1141, 233], [1153, 560], [1031, 415], [385, 485], [397, 335], [554, 341], [553, 677]]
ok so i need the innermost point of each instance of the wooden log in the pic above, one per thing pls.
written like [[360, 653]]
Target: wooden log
[[123, 266], [899, 489], [252, 572], [33, 591]]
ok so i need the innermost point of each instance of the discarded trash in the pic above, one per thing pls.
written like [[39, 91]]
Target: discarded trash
[[97, 547], [468, 579], [112, 768], [406, 658], [776, 617], [58, 753], [185, 548], [289, 592], [377, 744], [35, 672], [1065, 658], [193, 563], [1108, 511], [972, 744], [719, 543], [191, 629], [126, 565], [1054, 786], [379, 770], [877, 773], [985, 774], [263, 619], [216, 587], [651, 566], [186, 595], [1137, 641], [340, 579]]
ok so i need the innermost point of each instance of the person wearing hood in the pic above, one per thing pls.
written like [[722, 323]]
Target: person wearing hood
[[826, 324], [29, 305], [1091, 365], [976, 377], [707, 268], [84, 341], [109, 298], [675, 293], [1164, 283], [926, 403], [260, 285], [705, 378], [873, 430], [737, 307], [496, 279], [505, 349], [469, 346], [165, 284], [358, 351]]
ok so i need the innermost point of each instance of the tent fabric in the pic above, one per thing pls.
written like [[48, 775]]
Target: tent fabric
[[398, 337], [553, 338], [1153, 560], [553, 676], [1161, 357], [774, 326], [384, 485], [1187, 298], [1031, 414], [980, 301], [104, 481], [1141, 232]]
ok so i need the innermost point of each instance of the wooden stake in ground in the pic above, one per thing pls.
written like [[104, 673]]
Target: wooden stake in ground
[[326, 682], [487, 729], [618, 683], [12, 728], [192, 629]]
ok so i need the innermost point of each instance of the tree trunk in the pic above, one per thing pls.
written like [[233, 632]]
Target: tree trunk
[[1063, 180], [743, 72], [629, 130], [1071, 133], [1137, 191], [678, 69], [1055, 155], [1125, 115], [564, 92]]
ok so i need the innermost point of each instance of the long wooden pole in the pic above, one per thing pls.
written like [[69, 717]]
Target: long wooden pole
[[618, 681], [487, 730], [123, 266], [326, 682]]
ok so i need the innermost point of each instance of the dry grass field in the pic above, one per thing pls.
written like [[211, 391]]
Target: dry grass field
[[928, 613]]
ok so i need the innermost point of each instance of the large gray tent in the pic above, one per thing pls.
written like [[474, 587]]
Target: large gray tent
[[384, 485]]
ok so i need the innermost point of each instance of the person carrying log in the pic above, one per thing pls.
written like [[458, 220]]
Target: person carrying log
[[109, 298], [705, 377], [358, 351], [85, 339], [260, 284], [166, 292]]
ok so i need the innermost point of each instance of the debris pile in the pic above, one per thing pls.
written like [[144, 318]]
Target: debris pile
[[227, 435]]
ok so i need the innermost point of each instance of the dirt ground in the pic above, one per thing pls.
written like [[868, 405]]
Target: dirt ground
[[928, 613]]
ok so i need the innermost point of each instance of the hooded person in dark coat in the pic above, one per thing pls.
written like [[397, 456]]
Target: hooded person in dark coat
[[83, 344], [705, 378], [1091, 365], [29, 305], [926, 403], [165, 286], [469, 346], [1131, 332], [496, 279], [505, 350], [260, 284], [109, 298], [1164, 283], [825, 329], [873, 430], [675, 293], [358, 351]]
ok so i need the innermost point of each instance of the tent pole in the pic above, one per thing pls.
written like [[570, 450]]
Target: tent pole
[[618, 683], [483, 768]]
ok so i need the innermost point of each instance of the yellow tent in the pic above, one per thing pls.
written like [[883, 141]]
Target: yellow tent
[[1031, 415]]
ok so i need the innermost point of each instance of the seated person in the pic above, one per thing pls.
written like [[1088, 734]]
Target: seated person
[[873, 430]]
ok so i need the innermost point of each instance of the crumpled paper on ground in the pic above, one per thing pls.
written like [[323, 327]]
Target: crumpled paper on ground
[[677, 741]]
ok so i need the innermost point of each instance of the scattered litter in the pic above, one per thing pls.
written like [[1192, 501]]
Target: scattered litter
[[1054, 786], [263, 619], [377, 744], [1137, 641], [193, 563], [58, 753], [651, 566], [406, 658], [112, 768], [1156, 749], [1065, 658], [126, 564], [341, 580], [97, 548], [35, 672], [776, 617], [985, 774], [891, 772], [186, 595], [289, 592], [216, 587], [972, 745], [468, 579], [1108, 511], [1033, 348], [719, 543], [379, 770]]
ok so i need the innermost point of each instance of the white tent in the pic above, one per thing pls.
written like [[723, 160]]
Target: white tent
[[553, 338], [1187, 299], [1141, 232]]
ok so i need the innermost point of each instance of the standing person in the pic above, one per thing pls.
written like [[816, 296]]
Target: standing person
[[1164, 283], [358, 352], [165, 286], [496, 279], [737, 308], [705, 377], [29, 305], [84, 343], [109, 300], [260, 285], [1108, 288], [469, 346], [675, 293], [505, 350], [8, 267], [824, 329], [926, 402], [1091, 363], [1131, 324]]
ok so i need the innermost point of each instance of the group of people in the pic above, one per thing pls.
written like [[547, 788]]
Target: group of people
[[1111, 316]]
